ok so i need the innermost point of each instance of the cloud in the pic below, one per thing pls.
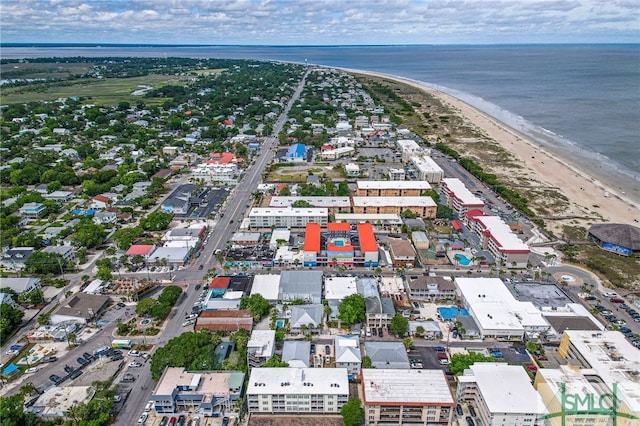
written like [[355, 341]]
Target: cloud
[[318, 21]]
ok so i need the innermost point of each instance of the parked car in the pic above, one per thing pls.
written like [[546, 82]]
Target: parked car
[[49, 359], [380, 332], [31, 370], [459, 409], [68, 368], [472, 411], [134, 353], [116, 357], [148, 407], [56, 379], [142, 418], [616, 300], [135, 364], [327, 349], [75, 374], [82, 361], [181, 420], [164, 421], [172, 421], [198, 286], [87, 356], [128, 378]]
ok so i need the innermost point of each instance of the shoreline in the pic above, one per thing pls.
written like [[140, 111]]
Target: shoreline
[[584, 190]]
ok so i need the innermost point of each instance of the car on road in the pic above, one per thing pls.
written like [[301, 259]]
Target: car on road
[[135, 364], [48, 359], [120, 305], [68, 368], [31, 370], [200, 267], [616, 300], [134, 353], [82, 361], [55, 379], [128, 378], [14, 350], [117, 398], [198, 286]]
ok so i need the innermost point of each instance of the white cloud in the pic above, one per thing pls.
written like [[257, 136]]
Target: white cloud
[[318, 21]]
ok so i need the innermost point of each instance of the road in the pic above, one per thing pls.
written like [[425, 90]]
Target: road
[[233, 212]]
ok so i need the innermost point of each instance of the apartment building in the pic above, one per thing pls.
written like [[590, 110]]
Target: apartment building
[[458, 197], [385, 188], [289, 217], [423, 207], [406, 397], [297, 390]]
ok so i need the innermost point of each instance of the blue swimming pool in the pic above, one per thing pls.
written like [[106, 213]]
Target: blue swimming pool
[[462, 259], [280, 323], [449, 312], [339, 243]]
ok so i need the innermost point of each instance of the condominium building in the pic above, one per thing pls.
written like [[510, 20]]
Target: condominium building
[[260, 217], [297, 390], [207, 393], [496, 236], [427, 169], [502, 394], [216, 173], [424, 207], [333, 204], [458, 197], [385, 188], [406, 397]]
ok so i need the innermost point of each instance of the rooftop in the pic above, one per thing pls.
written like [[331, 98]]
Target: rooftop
[[412, 387], [502, 234], [393, 201], [298, 381], [458, 190], [421, 185], [338, 288], [266, 285]]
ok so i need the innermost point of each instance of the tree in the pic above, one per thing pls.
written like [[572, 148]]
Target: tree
[[43, 319], [191, 350], [125, 237], [27, 389], [352, 309], [407, 342], [366, 362], [275, 362], [88, 234], [352, 412], [280, 335], [399, 325], [156, 221], [256, 304], [10, 319], [170, 295], [461, 362], [12, 412], [420, 331], [45, 263], [145, 306]]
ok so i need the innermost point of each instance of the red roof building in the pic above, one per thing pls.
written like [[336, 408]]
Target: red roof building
[[367, 238], [224, 320], [219, 283], [141, 250], [338, 227], [224, 158], [312, 237]]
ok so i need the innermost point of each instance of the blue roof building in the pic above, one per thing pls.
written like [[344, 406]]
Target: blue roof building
[[296, 151]]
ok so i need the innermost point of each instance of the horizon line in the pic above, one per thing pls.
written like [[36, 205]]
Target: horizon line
[[97, 44]]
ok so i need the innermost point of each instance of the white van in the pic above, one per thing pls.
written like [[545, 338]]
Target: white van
[[368, 331]]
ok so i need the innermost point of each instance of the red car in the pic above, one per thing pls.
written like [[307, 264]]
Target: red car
[[532, 367], [616, 300], [172, 421]]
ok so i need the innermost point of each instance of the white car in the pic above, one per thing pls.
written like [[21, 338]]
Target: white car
[[134, 353], [31, 370], [148, 407], [142, 419], [135, 364]]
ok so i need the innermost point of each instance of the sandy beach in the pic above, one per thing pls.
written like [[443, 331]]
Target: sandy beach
[[588, 195]]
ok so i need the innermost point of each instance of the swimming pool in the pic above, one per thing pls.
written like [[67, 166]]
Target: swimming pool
[[462, 259], [339, 243], [280, 323], [449, 312]]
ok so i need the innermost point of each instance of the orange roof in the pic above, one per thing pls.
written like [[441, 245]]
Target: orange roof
[[141, 249], [333, 247], [220, 282], [102, 198], [224, 158], [312, 237], [338, 226], [367, 239]]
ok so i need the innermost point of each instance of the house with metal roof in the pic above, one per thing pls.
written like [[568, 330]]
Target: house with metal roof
[[296, 353], [306, 315], [348, 355], [387, 354], [301, 285]]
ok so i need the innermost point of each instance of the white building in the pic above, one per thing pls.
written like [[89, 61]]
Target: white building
[[297, 390], [260, 217], [413, 397], [216, 173], [502, 394], [496, 312], [268, 286], [279, 235], [261, 347], [458, 197], [347, 352], [334, 154], [67, 253], [409, 148], [332, 203], [496, 236], [427, 169], [352, 170], [20, 285]]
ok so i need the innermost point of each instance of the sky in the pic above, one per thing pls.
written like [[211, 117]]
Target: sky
[[319, 22]]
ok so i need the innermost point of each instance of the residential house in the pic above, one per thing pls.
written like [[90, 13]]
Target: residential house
[[261, 347], [103, 217], [348, 355], [296, 353], [20, 285], [67, 253], [14, 258], [100, 202], [307, 317], [32, 210], [6, 298], [387, 355]]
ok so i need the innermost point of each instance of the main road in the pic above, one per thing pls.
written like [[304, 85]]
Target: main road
[[231, 213]]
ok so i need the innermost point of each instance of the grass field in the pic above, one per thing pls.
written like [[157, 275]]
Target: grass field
[[99, 92]]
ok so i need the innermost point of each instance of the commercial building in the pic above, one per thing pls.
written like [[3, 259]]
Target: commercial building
[[410, 397], [427, 169], [216, 173], [268, 286], [409, 148], [385, 188], [279, 236], [176, 256], [610, 362], [295, 153], [80, 307], [421, 206], [458, 197], [496, 312], [502, 394], [301, 285], [204, 393], [260, 217], [619, 238], [297, 390], [144, 250], [496, 236], [228, 321]]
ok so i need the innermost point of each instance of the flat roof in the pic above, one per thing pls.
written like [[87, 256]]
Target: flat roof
[[505, 388], [500, 232], [406, 387], [289, 212], [171, 253], [219, 283], [393, 201], [312, 237], [408, 144], [263, 342], [246, 236], [422, 185], [425, 163], [337, 288], [280, 202], [458, 190], [298, 381], [367, 238], [266, 285], [206, 382], [140, 249]]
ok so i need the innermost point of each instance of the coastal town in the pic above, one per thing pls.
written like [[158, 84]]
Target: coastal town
[[216, 242]]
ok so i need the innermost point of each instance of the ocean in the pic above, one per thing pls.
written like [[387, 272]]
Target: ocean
[[582, 101]]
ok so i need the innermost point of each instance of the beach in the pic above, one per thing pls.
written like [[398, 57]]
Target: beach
[[591, 198]]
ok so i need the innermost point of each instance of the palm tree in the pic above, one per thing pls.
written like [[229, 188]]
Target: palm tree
[[43, 319], [27, 389]]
